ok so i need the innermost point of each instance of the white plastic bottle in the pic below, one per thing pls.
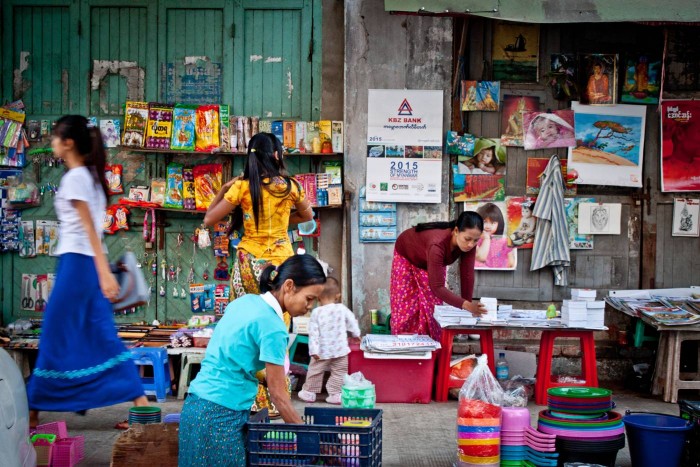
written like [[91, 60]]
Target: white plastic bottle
[[502, 367]]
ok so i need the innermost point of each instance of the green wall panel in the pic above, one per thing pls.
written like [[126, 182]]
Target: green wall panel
[[41, 34], [116, 34]]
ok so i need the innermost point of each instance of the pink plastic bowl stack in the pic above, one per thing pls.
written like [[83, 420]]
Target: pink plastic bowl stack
[[514, 422]]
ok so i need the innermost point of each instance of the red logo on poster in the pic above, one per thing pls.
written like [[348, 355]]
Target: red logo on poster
[[405, 108]]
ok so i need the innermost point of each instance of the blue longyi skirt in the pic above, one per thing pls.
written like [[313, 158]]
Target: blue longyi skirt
[[82, 363]]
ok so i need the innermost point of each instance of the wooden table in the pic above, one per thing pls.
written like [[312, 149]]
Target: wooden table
[[667, 371]]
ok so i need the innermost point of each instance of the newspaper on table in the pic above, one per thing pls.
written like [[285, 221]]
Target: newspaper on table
[[413, 344]]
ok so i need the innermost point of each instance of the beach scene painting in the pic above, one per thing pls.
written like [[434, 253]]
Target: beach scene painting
[[609, 145]]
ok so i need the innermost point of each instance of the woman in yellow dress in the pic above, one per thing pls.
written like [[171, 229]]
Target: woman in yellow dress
[[269, 200]]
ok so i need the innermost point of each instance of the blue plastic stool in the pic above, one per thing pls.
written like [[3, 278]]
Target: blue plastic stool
[[156, 357], [303, 339]]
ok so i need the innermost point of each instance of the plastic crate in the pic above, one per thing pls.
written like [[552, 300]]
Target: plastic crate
[[321, 440], [54, 428], [690, 410], [65, 453]]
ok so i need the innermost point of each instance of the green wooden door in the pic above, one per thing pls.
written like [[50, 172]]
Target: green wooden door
[[276, 74], [194, 51], [40, 55], [118, 54]]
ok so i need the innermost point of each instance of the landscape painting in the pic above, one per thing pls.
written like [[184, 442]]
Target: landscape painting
[[609, 145], [515, 55]]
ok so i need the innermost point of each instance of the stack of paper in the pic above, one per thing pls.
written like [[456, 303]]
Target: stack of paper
[[596, 313], [491, 305], [587, 295], [446, 315], [505, 311], [414, 344], [574, 314]]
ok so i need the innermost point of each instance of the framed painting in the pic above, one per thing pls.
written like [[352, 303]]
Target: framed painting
[[609, 145], [599, 77], [577, 241], [512, 117], [492, 250], [563, 76], [642, 81], [515, 52], [521, 221], [481, 176], [545, 130]]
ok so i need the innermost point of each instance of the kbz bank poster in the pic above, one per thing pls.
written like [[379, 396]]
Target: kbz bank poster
[[404, 146]]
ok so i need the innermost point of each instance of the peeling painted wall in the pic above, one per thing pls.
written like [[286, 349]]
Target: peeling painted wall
[[384, 51]]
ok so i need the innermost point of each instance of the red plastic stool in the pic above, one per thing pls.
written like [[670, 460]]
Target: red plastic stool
[[442, 379], [544, 362]]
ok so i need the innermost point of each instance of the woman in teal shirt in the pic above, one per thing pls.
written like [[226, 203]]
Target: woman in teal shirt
[[250, 336]]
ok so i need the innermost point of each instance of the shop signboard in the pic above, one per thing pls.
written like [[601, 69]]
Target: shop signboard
[[404, 146]]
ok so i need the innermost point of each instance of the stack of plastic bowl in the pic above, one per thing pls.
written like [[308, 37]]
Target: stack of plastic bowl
[[587, 429], [514, 422], [478, 434], [541, 448], [144, 415]]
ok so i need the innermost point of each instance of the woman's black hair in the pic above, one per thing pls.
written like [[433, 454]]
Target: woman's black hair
[[494, 213], [88, 143], [262, 169], [303, 270], [279, 149], [466, 220]]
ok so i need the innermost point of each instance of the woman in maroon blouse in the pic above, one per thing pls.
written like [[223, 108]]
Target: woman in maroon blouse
[[418, 272]]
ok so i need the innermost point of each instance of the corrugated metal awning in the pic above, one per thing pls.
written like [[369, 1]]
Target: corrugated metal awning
[[557, 11]]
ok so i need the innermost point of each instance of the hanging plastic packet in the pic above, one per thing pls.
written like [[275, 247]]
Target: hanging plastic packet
[[113, 175]]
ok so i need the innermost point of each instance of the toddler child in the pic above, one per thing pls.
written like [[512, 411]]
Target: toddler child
[[328, 344]]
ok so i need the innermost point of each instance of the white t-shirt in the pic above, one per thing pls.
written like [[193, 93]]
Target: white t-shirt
[[78, 184]]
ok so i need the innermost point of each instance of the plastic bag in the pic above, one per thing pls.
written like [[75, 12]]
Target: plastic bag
[[515, 392], [480, 386], [356, 381], [461, 369], [479, 416]]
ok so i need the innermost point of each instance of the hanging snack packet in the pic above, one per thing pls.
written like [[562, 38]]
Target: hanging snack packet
[[160, 126], [207, 128], [225, 135], [158, 191], [113, 175], [183, 134], [173, 187], [120, 216], [135, 120], [109, 224], [188, 196], [207, 183]]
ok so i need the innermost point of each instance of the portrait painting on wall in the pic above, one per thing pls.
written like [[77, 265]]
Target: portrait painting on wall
[[642, 81], [548, 129], [512, 117], [599, 78], [515, 52], [680, 145], [492, 250], [609, 145], [563, 75], [482, 176], [521, 221]]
